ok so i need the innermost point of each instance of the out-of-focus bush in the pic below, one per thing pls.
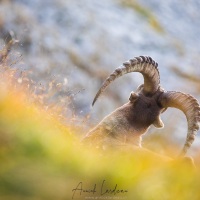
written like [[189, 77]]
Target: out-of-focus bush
[[40, 158]]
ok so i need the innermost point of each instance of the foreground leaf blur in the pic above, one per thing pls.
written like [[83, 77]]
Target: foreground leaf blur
[[40, 158]]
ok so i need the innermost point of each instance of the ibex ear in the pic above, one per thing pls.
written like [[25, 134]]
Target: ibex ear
[[133, 97], [158, 123]]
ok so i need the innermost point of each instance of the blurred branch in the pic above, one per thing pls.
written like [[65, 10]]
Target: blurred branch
[[100, 75], [6, 50], [190, 77], [86, 66], [9, 42]]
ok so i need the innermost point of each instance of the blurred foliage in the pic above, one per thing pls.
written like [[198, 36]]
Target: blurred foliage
[[42, 159]]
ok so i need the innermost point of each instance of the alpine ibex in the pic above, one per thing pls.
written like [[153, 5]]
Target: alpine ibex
[[127, 123]]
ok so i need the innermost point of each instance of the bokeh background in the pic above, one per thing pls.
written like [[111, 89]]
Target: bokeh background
[[63, 52]]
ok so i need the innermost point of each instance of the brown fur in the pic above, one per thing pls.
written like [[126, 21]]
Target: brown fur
[[127, 123]]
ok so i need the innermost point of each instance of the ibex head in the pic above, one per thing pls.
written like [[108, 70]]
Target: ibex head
[[126, 124]]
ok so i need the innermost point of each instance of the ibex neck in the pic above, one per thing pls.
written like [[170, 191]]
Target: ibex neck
[[131, 140], [126, 137]]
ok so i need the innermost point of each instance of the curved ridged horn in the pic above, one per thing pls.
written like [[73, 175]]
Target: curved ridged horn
[[190, 107], [143, 64]]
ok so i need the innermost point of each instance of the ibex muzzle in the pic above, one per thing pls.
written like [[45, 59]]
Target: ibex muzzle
[[126, 124]]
